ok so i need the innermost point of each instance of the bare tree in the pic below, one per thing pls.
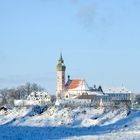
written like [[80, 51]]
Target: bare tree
[[7, 96]]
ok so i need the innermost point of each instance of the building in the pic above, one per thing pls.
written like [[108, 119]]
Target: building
[[39, 98], [76, 92], [35, 98], [74, 88], [71, 88], [60, 89], [118, 93]]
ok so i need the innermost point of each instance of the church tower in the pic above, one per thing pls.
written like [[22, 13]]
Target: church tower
[[60, 89]]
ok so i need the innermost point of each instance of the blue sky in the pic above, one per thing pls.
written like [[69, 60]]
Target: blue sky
[[99, 40]]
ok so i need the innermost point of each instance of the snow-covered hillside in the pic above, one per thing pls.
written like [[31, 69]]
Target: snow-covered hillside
[[67, 123]]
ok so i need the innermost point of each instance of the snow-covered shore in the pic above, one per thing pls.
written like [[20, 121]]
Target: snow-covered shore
[[67, 123]]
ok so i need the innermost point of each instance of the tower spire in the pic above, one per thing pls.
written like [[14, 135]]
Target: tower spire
[[60, 65], [61, 58]]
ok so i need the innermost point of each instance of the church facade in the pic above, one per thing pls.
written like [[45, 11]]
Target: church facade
[[71, 88]]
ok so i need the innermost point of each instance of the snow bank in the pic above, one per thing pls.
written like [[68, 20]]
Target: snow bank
[[69, 122]]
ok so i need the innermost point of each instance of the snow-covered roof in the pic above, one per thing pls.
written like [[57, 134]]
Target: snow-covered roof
[[116, 90], [95, 93], [86, 97], [39, 94]]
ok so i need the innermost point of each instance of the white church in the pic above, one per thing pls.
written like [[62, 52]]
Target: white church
[[73, 87], [78, 88]]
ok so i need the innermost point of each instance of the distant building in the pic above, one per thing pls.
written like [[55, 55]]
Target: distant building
[[39, 97], [71, 88], [118, 93], [35, 98], [74, 88], [76, 91]]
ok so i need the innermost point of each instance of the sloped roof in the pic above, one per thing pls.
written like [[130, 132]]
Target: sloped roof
[[86, 97], [116, 90], [39, 94], [72, 84]]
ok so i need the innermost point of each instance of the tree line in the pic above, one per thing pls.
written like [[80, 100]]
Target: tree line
[[7, 96]]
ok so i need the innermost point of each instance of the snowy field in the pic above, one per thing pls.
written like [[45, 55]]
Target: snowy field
[[80, 123]]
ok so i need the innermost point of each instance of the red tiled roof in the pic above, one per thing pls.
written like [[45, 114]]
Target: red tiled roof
[[74, 84]]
